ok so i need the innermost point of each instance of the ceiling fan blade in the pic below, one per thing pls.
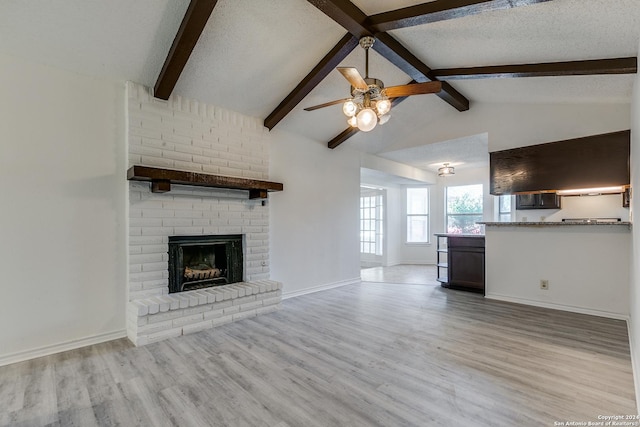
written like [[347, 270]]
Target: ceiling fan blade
[[326, 104], [354, 77], [413, 89]]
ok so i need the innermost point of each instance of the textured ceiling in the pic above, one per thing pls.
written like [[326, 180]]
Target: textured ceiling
[[254, 52]]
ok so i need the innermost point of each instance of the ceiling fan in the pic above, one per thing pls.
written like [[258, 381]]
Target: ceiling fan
[[370, 101]]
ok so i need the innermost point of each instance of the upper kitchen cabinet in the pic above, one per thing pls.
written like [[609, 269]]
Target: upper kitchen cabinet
[[589, 162]]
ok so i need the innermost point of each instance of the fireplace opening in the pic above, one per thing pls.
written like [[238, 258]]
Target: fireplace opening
[[197, 262]]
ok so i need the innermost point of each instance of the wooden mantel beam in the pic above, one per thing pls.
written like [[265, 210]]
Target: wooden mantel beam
[[549, 69], [439, 10], [192, 25]]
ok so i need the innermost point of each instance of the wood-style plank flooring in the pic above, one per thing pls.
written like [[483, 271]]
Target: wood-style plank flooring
[[360, 355]]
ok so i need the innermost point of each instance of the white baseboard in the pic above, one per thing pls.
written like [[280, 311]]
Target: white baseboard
[[562, 307], [21, 356], [287, 295]]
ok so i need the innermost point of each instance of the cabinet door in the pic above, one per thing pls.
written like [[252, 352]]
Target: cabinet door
[[526, 201], [549, 201], [466, 268]]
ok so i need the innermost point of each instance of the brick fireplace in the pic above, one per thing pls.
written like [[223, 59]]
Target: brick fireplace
[[187, 135]]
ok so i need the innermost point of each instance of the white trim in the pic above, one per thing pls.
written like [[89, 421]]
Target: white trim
[[21, 356], [581, 310], [634, 366], [287, 295]]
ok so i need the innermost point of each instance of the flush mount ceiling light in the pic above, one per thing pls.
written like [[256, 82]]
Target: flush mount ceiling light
[[446, 170], [370, 102]]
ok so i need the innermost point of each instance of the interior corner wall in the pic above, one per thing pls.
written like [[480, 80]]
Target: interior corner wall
[[634, 297], [314, 233], [62, 179]]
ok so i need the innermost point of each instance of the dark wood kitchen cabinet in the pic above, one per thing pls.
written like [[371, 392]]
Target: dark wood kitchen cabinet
[[538, 201], [461, 261]]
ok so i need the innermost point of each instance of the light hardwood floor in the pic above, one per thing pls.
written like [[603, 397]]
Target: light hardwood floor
[[359, 355]]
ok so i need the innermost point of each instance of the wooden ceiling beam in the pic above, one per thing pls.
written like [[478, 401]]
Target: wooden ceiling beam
[[350, 131], [345, 14], [319, 72], [402, 58], [439, 10], [548, 69], [192, 25], [353, 19]]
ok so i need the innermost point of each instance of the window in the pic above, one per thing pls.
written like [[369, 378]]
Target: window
[[464, 209], [504, 208], [371, 221], [418, 215]]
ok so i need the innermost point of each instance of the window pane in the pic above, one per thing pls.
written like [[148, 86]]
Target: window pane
[[505, 204], [464, 224], [464, 199], [418, 229], [417, 201]]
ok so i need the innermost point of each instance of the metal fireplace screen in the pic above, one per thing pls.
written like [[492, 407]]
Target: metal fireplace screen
[[197, 262]]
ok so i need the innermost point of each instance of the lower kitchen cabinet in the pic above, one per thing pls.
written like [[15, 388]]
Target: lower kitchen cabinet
[[464, 265]]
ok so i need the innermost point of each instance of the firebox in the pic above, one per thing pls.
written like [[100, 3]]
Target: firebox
[[197, 262]]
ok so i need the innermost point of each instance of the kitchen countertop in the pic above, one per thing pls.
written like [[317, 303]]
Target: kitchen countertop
[[555, 224], [458, 235]]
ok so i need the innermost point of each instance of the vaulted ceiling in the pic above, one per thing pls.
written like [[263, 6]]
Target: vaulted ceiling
[[253, 53]]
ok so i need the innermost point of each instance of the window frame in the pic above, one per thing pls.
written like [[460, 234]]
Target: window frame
[[408, 215]]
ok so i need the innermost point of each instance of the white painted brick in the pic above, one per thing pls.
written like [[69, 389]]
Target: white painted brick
[[213, 314], [151, 328], [244, 300], [149, 249], [156, 162], [250, 305], [174, 155], [139, 308], [198, 309], [167, 315], [155, 266], [145, 240], [185, 320], [155, 284], [231, 310], [164, 305], [244, 315], [197, 327], [184, 300], [270, 301], [188, 149], [222, 305]]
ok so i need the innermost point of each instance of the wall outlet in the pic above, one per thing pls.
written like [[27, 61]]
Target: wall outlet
[[544, 284]]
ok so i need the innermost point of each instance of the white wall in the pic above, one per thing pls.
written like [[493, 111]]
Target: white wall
[[62, 177], [519, 125], [587, 267], [314, 232]]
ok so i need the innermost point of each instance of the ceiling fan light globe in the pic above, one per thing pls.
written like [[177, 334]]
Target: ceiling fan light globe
[[366, 120], [384, 119], [353, 122], [383, 106], [349, 108]]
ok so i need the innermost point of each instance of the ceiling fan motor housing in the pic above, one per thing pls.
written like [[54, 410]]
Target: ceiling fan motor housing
[[374, 88]]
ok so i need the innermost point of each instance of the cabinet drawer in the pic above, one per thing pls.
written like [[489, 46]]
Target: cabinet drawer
[[466, 242]]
